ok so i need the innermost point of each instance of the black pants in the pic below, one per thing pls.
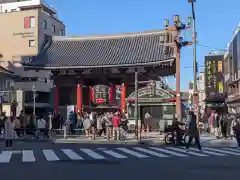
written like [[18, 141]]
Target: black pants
[[100, 131], [238, 139], [224, 129], [8, 143], [197, 141]]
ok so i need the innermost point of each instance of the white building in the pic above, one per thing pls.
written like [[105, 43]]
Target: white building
[[201, 89]]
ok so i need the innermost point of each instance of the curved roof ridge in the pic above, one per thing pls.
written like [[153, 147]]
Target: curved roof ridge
[[107, 36]]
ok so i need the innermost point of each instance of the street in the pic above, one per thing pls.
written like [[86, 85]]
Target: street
[[43, 160]]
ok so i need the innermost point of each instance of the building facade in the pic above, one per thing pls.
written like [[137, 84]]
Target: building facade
[[232, 73], [32, 26]]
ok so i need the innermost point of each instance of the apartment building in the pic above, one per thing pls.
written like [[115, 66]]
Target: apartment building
[[32, 25], [232, 73]]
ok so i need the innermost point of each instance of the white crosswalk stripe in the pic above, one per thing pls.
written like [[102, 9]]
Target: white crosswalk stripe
[[49, 155], [115, 154], [133, 153], [28, 156], [150, 152], [187, 152], [71, 154], [210, 152], [223, 151], [230, 149], [169, 152], [5, 156], [92, 154]]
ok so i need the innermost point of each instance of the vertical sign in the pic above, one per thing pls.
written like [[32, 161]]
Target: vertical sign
[[214, 77]]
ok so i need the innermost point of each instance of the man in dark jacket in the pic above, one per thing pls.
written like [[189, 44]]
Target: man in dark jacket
[[192, 130], [236, 129]]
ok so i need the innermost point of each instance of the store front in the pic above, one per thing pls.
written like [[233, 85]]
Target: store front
[[157, 102]]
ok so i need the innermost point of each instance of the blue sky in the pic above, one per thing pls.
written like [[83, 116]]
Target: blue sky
[[216, 22]]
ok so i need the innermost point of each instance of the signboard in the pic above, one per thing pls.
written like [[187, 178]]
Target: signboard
[[24, 34], [101, 94], [214, 78]]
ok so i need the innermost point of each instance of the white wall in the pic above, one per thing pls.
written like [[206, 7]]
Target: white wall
[[8, 7]]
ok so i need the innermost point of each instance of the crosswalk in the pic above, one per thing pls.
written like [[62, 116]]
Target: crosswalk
[[81, 154]]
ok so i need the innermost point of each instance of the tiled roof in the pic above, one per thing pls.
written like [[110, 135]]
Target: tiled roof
[[104, 51]]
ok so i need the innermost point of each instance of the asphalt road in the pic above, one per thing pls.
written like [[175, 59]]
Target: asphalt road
[[208, 167]]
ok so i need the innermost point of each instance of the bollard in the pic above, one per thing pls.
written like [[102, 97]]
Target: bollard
[[65, 132], [108, 133], [147, 128], [93, 133]]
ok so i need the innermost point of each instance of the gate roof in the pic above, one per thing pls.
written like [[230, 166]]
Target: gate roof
[[124, 50]]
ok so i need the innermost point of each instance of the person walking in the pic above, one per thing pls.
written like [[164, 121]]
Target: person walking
[[236, 129], [8, 133], [192, 130]]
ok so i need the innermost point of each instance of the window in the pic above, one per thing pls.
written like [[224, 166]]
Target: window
[[31, 43], [61, 32], [44, 24], [32, 22], [29, 22], [13, 10], [53, 28]]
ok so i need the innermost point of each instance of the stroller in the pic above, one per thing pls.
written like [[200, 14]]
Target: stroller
[[123, 127]]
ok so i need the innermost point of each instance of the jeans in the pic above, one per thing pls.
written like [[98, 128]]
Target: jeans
[[8, 143], [197, 141], [238, 139]]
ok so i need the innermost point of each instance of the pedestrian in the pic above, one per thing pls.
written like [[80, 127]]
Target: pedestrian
[[8, 133], [115, 122], [86, 125], [192, 130], [236, 129]]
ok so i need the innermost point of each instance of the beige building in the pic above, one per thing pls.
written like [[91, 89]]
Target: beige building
[[24, 33]]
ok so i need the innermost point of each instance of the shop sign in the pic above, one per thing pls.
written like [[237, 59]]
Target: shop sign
[[24, 34]]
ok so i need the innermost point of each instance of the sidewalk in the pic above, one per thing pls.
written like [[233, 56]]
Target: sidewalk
[[150, 137], [210, 140]]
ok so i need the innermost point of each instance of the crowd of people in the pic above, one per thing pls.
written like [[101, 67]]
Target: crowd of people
[[106, 124]]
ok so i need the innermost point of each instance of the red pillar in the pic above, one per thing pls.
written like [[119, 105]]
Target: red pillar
[[55, 99], [79, 98], [123, 97], [112, 94]]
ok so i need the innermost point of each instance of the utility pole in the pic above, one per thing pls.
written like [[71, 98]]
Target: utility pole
[[177, 43], [195, 91], [136, 103]]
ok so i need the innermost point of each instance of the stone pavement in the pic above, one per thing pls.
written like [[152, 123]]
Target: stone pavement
[[149, 138]]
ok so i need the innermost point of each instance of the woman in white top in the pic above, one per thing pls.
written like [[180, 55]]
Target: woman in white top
[[9, 134]]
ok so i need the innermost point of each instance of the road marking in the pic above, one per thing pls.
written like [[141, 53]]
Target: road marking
[[5, 156], [71, 154], [115, 154], [169, 152], [133, 153], [50, 155], [150, 152], [28, 156], [209, 152], [223, 151], [187, 152], [231, 149], [92, 154]]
